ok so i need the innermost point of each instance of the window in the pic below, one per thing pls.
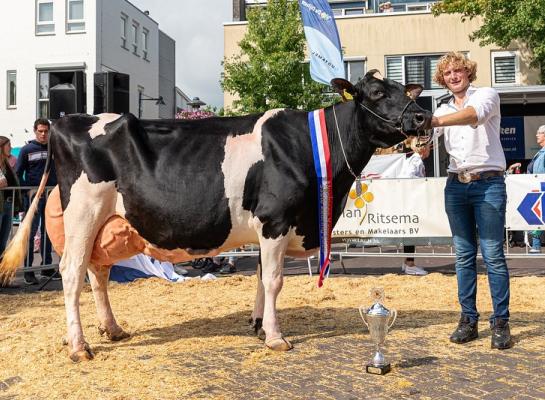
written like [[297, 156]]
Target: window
[[354, 11], [44, 17], [350, 7], [124, 31], [74, 16], [145, 35], [413, 69], [11, 89], [394, 69], [354, 69], [134, 35], [43, 94], [504, 68]]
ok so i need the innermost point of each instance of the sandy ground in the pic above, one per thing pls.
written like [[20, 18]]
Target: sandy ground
[[181, 331]]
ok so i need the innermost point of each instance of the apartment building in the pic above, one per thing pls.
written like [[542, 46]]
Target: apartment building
[[53, 48], [405, 44]]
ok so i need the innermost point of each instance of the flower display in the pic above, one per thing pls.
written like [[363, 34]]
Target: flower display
[[197, 114]]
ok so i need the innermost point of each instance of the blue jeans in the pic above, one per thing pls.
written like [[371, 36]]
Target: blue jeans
[[536, 240], [6, 223], [471, 207], [45, 249]]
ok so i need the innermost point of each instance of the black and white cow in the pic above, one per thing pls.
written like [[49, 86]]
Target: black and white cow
[[202, 187]]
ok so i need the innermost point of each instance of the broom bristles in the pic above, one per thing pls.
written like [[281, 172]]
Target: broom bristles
[[15, 252]]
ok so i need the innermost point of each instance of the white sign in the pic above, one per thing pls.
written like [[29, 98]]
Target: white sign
[[395, 208], [525, 202]]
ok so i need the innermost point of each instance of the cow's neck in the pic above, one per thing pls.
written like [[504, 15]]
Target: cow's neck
[[357, 148]]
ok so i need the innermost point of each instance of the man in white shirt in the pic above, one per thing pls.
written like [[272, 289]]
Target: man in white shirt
[[475, 195]]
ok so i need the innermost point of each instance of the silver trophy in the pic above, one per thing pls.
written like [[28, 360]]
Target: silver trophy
[[378, 320]]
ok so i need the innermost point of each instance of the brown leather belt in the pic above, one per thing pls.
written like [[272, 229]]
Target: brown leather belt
[[466, 177]]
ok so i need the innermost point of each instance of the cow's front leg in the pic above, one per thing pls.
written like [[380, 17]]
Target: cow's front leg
[[72, 268], [272, 264], [257, 314], [98, 276]]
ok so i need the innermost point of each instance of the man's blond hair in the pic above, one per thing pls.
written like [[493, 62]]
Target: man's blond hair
[[457, 60]]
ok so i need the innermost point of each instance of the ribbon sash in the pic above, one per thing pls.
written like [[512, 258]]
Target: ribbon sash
[[322, 165]]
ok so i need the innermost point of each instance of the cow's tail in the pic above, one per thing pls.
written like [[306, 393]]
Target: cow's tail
[[15, 252]]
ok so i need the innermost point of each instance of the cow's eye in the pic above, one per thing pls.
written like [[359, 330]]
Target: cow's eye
[[377, 93]]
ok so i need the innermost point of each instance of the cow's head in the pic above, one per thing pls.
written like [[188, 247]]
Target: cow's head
[[389, 111]]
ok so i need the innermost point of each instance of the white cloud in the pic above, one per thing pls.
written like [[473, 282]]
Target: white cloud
[[197, 28]]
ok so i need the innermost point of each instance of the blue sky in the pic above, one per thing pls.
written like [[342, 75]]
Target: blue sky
[[197, 28]]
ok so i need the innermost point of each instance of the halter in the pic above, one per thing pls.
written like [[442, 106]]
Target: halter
[[397, 123]]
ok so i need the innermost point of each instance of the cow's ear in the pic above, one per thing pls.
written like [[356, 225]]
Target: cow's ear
[[413, 91], [344, 88]]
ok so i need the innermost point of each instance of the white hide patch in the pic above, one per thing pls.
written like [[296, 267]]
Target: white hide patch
[[241, 152], [98, 127], [91, 204], [120, 206]]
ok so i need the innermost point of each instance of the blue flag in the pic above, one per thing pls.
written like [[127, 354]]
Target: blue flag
[[326, 60]]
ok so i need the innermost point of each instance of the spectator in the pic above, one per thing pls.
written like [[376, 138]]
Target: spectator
[[30, 168], [413, 167], [9, 200], [475, 195], [216, 266], [536, 166], [386, 7]]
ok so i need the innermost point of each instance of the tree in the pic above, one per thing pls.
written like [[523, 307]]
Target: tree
[[505, 21], [270, 71]]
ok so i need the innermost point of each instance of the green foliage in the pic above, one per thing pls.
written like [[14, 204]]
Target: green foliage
[[504, 21], [270, 71]]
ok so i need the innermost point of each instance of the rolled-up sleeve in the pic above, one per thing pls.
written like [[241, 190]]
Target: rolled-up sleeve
[[486, 103]]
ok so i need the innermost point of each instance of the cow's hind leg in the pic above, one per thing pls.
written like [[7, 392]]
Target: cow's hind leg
[[98, 276], [257, 314], [89, 207], [73, 274], [272, 264]]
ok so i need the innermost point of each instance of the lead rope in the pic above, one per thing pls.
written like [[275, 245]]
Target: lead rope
[[357, 178]]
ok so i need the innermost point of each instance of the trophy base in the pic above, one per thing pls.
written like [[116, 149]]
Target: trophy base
[[377, 370]]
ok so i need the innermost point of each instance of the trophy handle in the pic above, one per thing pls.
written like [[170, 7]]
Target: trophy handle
[[392, 318], [361, 310]]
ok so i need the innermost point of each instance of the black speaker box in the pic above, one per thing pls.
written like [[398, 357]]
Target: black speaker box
[[67, 97], [111, 92]]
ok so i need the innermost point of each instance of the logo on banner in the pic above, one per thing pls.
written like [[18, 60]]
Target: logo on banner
[[531, 206], [362, 199]]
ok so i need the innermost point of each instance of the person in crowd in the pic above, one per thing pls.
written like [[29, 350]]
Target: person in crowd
[[9, 200], [386, 7], [216, 266], [30, 168], [475, 195], [413, 167], [536, 166]]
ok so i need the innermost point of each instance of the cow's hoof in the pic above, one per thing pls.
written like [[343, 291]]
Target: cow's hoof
[[116, 336], [64, 341], [82, 355], [261, 334], [279, 344]]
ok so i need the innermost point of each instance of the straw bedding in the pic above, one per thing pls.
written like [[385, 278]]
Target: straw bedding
[[192, 340]]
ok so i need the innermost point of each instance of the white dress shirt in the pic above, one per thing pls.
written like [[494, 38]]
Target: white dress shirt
[[475, 148]]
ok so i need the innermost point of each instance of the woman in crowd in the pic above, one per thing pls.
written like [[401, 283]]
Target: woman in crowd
[[7, 178]]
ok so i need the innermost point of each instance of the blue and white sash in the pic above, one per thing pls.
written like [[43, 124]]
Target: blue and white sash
[[322, 165]]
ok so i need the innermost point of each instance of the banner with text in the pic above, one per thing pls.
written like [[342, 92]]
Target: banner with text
[[395, 208]]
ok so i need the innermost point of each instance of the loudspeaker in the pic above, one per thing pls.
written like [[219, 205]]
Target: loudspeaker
[[111, 92], [67, 96]]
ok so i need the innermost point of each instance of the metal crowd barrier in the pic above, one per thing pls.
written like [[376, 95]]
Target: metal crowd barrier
[[424, 247]]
